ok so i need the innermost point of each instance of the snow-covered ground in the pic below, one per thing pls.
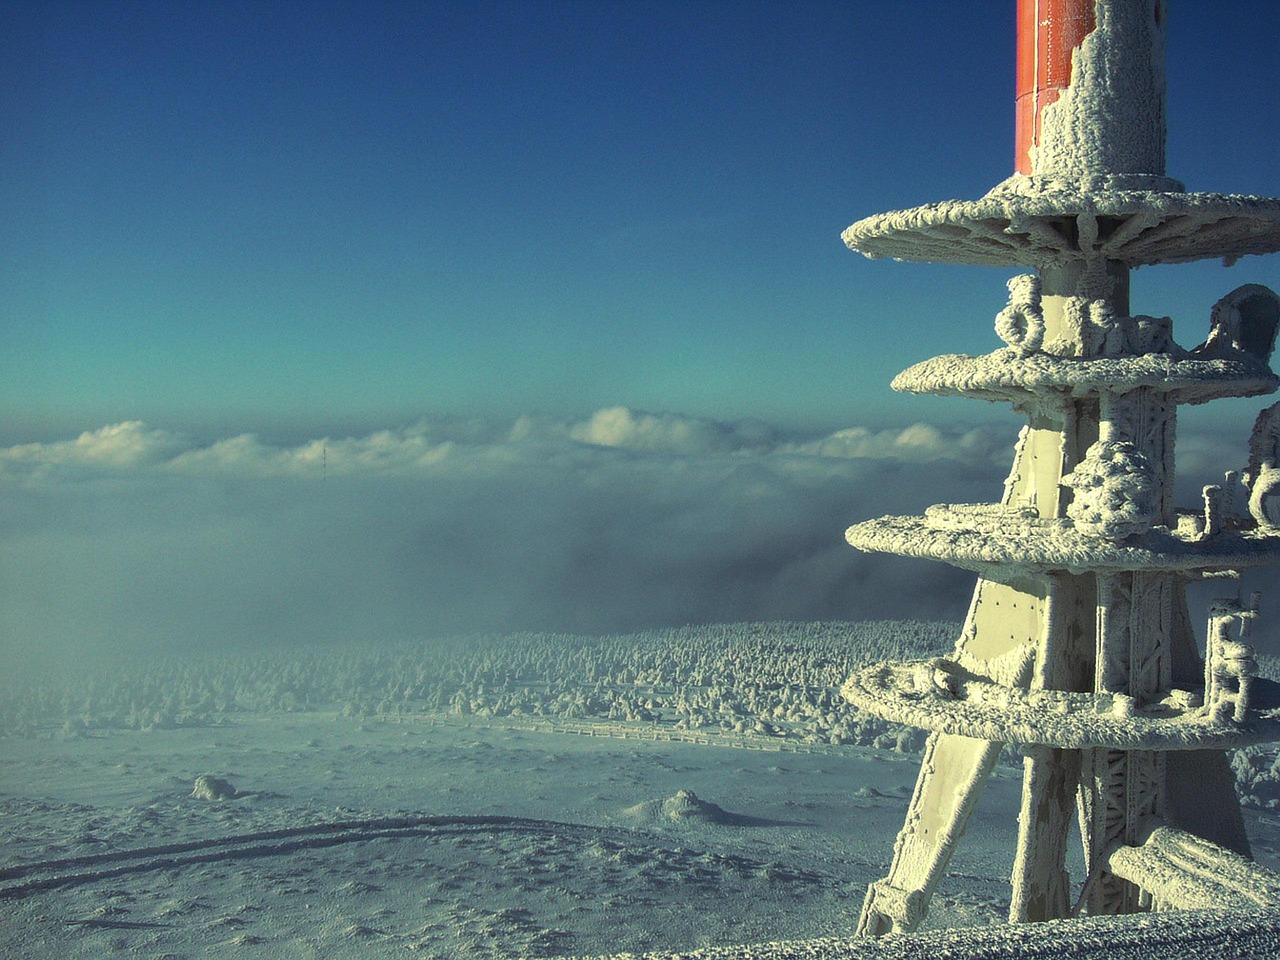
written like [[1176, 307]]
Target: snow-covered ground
[[526, 823]]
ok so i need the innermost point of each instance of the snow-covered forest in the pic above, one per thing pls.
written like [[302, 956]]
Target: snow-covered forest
[[776, 681]]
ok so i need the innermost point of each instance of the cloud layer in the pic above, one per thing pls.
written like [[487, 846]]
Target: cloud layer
[[432, 446], [130, 537]]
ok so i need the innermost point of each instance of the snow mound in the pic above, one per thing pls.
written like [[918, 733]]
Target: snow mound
[[684, 806], [209, 787]]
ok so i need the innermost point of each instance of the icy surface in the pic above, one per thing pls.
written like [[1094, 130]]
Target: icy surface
[[1021, 323], [1041, 221], [1184, 872], [1115, 491], [940, 695], [1111, 118], [1008, 374], [981, 536], [1202, 935]]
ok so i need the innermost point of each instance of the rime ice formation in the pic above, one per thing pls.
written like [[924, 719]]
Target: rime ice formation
[[940, 695], [1191, 935], [1185, 872], [1111, 116], [1026, 380], [1230, 666], [989, 538], [1021, 323], [1038, 220], [209, 787], [1113, 491], [1078, 642]]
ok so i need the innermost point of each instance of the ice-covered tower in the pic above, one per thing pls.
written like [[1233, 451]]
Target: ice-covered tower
[[1078, 643]]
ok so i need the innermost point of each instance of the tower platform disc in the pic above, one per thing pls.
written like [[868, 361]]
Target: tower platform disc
[[1008, 375], [1035, 221], [999, 542], [940, 695]]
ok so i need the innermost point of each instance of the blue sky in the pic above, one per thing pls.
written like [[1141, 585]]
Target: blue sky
[[308, 217]]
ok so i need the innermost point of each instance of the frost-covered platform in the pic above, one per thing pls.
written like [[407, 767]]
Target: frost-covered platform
[[941, 695], [987, 539], [1010, 375], [1031, 221]]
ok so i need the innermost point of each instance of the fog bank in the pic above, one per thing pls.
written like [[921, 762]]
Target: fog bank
[[129, 538]]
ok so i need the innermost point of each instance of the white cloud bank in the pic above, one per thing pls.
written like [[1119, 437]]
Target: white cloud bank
[[131, 537], [431, 446]]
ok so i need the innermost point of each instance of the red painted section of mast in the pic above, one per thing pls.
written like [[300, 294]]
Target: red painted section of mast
[[1048, 32]]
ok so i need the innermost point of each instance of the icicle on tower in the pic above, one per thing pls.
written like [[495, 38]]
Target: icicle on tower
[[1078, 644]]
